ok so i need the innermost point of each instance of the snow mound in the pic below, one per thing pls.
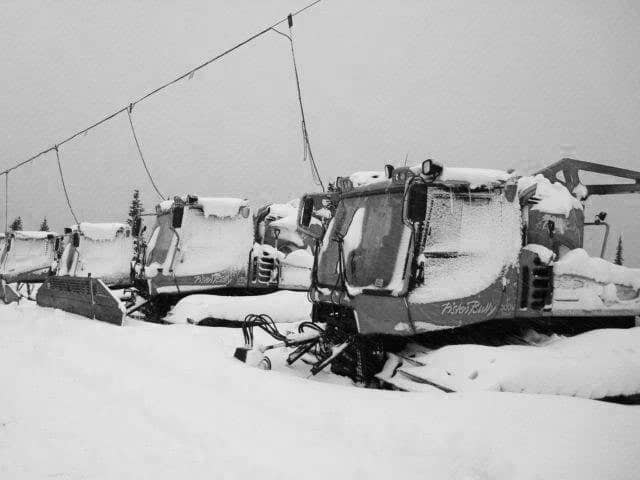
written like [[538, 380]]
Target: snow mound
[[100, 231], [597, 364], [554, 198], [578, 262], [282, 307], [180, 406]]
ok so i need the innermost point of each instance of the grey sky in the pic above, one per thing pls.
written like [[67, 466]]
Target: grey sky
[[486, 84]]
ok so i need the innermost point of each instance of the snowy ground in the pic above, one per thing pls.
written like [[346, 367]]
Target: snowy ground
[[81, 399]]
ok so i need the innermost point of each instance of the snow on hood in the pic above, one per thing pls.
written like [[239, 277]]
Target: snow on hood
[[99, 231], [28, 235], [554, 198], [360, 179], [281, 210], [578, 262], [546, 255], [221, 207], [475, 177]]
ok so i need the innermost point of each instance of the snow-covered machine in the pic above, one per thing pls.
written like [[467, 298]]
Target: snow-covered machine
[[427, 257], [216, 245], [26, 258], [101, 250], [96, 258], [281, 255], [197, 245]]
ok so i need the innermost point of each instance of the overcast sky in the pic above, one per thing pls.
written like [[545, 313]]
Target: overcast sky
[[485, 84]]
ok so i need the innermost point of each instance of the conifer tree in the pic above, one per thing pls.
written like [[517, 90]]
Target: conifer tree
[[44, 226], [16, 225], [619, 258], [135, 209]]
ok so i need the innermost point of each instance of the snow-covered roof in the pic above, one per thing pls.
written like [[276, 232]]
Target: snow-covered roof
[[211, 206], [221, 207], [32, 235], [475, 177], [360, 179], [554, 197], [99, 231]]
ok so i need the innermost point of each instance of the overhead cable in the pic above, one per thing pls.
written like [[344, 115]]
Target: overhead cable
[[162, 87], [144, 163]]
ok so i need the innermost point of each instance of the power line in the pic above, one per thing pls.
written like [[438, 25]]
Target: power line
[[160, 88], [64, 187], [144, 163], [306, 145]]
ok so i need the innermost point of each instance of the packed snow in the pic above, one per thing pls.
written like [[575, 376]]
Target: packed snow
[[282, 306], [596, 364], [85, 399]]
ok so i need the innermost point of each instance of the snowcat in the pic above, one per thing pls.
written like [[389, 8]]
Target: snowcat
[[27, 258], [215, 245], [96, 259], [424, 258], [207, 245]]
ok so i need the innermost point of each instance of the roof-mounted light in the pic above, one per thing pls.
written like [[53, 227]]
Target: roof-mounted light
[[388, 171], [402, 174], [344, 184]]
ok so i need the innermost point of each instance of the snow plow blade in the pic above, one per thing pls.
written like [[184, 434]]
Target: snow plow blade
[[8, 293], [84, 296]]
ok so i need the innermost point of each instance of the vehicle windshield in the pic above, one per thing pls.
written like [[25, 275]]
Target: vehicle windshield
[[375, 243]]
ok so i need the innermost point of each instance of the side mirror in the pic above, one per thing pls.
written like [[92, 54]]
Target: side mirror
[[76, 239], [135, 228], [245, 211], [176, 216], [416, 203], [431, 169], [306, 213], [510, 191], [388, 171], [305, 218]]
